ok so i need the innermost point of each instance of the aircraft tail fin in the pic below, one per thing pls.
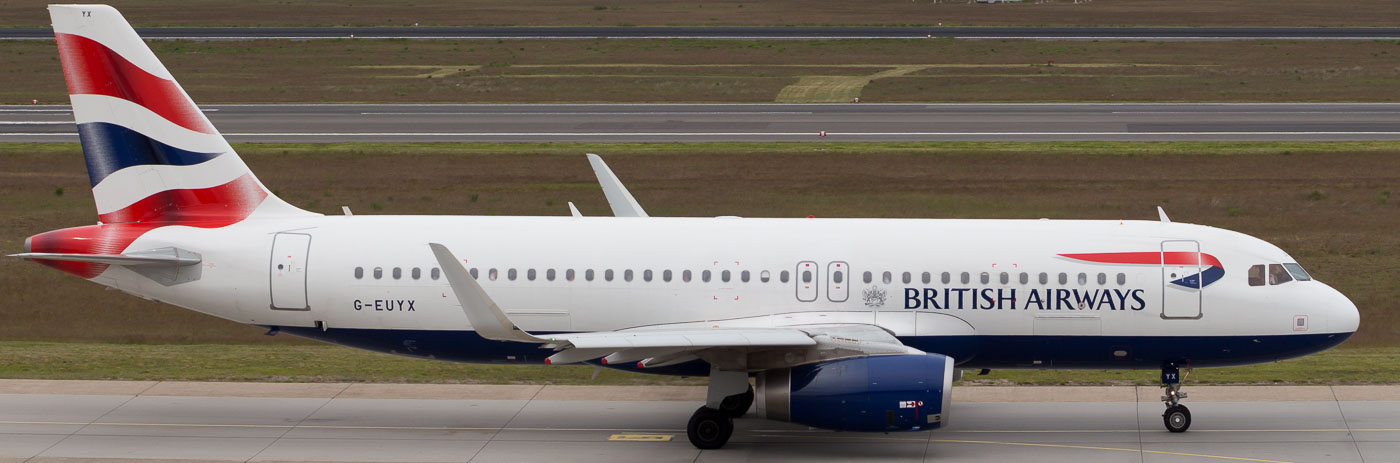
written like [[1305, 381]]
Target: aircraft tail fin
[[152, 156]]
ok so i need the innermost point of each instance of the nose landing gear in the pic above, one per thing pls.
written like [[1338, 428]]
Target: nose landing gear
[[1177, 418]]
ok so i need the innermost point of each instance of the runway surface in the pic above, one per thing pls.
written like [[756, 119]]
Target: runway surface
[[761, 122], [76, 421], [783, 33]]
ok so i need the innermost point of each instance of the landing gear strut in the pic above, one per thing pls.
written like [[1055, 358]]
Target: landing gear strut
[[737, 405], [1177, 418]]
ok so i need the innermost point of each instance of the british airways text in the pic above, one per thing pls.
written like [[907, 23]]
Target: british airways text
[[1035, 299]]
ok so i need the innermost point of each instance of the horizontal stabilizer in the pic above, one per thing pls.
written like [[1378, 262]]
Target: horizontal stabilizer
[[167, 266], [164, 256]]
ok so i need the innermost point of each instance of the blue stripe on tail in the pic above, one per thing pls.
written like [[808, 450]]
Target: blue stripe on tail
[[109, 148]]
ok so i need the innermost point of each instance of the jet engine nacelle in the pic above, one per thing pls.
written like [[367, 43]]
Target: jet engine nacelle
[[876, 393]]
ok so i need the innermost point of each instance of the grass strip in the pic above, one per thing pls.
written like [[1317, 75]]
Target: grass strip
[[324, 363]]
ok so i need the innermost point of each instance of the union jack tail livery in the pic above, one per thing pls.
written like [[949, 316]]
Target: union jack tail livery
[[153, 159]]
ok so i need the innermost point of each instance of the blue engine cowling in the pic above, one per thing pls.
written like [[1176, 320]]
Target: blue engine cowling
[[877, 393]]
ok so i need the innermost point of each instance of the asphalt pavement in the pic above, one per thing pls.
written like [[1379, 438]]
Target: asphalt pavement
[[862, 122], [81, 421], [746, 33]]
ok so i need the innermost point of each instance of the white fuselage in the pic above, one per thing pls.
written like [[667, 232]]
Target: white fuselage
[[1128, 315]]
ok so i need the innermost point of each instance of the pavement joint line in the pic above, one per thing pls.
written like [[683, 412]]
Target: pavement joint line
[[1338, 402], [298, 423], [83, 426]]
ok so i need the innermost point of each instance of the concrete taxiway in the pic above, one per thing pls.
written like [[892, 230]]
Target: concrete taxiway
[[79, 421], [312, 123]]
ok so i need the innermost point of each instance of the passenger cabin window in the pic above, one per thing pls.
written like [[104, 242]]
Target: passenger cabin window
[[588, 274], [1025, 278], [867, 277], [1103, 279], [986, 278], [1005, 278], [608, 274], [806, 276], [569, 274], [705, 276], [666, 276], [886, 277], [837, 277], [908, 278], [1122, 279], [1278, 275], [359, 272], [378, 272], [947, 278], [966, 278], [1297, 271], [928, 278], [1083, 279], [416, 273], [1044, 278], [530, 274], [548, 274], [646, 275], [511, 274], [685, 276], [435, 273], [724, 276], [1064, 279], [1256, 275], [783, 276], [764, 276], [473, 273], [744, 276], [492, 274], [398, 273], [627, 275]]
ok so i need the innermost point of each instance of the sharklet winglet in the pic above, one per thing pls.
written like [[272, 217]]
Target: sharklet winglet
[[621, 200]]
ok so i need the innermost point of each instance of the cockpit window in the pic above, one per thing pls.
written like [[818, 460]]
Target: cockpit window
[[1256, 275], [1297, 271], [1277, 275]]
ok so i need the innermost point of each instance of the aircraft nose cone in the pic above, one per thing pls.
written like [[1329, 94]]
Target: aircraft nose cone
[[1342, 314]]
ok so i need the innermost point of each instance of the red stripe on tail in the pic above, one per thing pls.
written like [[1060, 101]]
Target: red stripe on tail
[[93, 69], [221, 205]]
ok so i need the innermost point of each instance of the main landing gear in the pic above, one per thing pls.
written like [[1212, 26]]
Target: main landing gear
[[712, 425], [1177, 418]]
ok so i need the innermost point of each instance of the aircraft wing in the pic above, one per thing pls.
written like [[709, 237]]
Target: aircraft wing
[[730, 348]]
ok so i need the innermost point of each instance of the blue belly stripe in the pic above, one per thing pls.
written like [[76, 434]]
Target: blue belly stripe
[[971, 352]]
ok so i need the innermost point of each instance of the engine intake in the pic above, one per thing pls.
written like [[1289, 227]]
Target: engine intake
[[876, 393]]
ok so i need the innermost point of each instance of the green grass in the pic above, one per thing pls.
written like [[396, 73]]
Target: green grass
[[324, 363]]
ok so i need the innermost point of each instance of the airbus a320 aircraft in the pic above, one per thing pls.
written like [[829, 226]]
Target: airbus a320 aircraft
[[843, 324]]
